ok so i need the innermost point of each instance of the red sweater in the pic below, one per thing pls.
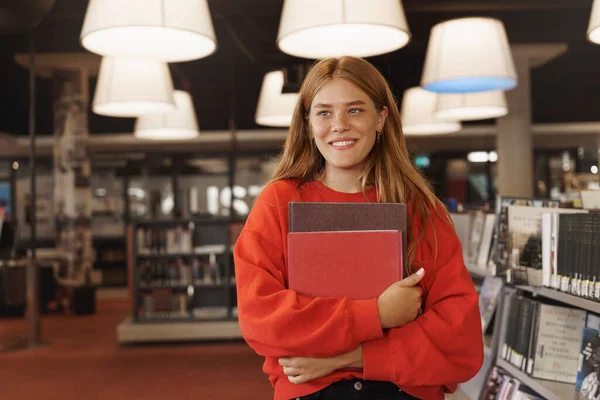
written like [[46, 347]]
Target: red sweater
[[426, 357]]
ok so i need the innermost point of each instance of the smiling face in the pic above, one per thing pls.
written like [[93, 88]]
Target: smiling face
[[344, 121]]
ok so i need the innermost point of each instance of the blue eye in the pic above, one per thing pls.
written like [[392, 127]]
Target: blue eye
[[323, 113], [355, 110]]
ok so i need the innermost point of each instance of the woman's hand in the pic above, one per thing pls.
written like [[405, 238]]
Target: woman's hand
[[305, 369], [400, 303]]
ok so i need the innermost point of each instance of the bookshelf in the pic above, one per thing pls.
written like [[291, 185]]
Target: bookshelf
[[550, 390], [182, 284], [473, 388], [477, 272], [536, 250], [562, 297], [547, 389]]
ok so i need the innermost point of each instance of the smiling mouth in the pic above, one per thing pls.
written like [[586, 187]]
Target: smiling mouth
[[343, 143]]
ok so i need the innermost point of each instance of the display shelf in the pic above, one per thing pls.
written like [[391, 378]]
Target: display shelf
[[167, 256], [199, 255], [547, 389], [186, 287], [198, 221], [477, 272], [487, 345], [184, 319], [565, 298], [129, 332]]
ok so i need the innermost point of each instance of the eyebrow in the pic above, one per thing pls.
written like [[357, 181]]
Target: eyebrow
[[351, 103]]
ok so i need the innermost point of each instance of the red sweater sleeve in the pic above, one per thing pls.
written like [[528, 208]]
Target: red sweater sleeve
[[277, 322], [443, 346]]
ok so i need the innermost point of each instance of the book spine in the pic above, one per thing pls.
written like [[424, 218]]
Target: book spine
[[514, 342], [532, 335], [509, 300], [554, 251], [546, 250], [561, 244], [595, 254]]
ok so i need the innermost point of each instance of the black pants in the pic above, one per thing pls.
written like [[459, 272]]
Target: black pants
[[360, 389]]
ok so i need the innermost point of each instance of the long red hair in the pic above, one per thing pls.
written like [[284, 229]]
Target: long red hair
[[388, 165]]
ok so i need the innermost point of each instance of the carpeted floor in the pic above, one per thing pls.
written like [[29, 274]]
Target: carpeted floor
[[82, 360]]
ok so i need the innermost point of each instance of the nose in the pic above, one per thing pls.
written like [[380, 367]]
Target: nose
[[339, 123]]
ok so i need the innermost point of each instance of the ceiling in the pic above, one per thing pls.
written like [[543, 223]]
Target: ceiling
[[226, 84]]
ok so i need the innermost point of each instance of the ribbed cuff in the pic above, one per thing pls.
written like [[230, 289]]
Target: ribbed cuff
[[365, 320], [376, 360]]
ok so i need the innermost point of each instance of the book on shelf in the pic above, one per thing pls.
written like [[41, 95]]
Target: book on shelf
[[587, 385], [483, 252], [462, 227], [501, 385], [475, 239], [475, 230], [489, 295], [571, 253], [590, 199], [164, 241], [182, 271], [209, 312], [502, 250], [354, 264], [163, 304], [543, 340]]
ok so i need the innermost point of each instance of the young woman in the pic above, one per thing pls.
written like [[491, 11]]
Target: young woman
[[346, 144]]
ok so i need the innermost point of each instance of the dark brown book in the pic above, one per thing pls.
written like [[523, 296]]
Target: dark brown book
[[334, 216]]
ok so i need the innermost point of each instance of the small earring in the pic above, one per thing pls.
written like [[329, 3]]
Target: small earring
[[378, 135]]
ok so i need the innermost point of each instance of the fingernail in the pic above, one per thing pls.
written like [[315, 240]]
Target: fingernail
[[420, 272]]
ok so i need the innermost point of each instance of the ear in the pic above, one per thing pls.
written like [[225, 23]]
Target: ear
[[382, 115]]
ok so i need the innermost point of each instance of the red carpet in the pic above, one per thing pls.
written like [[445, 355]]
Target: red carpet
[[82, 360]]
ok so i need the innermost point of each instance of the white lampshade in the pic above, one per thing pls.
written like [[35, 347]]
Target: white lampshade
[[417, 116], [165, 30], [175, 125], [319, 29], [471, 106], [129, 88], [593, 32], [274, 107], [468, 55]]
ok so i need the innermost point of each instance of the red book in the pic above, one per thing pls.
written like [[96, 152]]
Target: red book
[[355, 264]]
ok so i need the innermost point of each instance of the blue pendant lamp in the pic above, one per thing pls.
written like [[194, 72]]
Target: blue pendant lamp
[[469, 55]]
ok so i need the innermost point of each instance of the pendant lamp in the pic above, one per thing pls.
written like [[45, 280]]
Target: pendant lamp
[[593, 32], [274, 107], [418, 106], [468, 55], [179, 124], [471, 106], [165, 30], [129, 88], [319, 29]]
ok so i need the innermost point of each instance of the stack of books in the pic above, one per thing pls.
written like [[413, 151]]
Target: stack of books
[[354, 250]]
